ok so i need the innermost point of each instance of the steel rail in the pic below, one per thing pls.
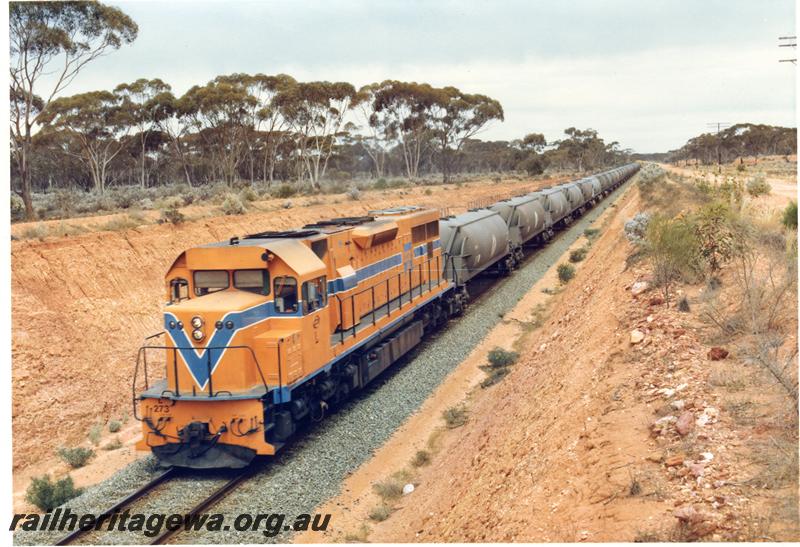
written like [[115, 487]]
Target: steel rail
[[124, 502], [210, 500]]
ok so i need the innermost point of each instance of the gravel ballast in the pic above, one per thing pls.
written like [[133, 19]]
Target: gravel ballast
[[311, 469]]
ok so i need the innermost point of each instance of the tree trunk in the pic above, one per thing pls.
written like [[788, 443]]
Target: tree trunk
[[26, 176], [144, 168]]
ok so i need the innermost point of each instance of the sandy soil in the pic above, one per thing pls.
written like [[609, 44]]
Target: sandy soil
[[81, 306], [580, 441]]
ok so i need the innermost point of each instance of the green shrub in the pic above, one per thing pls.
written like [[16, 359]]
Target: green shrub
[[566, 272], [494, 375], [499, 357], [17, 208], [718, 238], [578, 254], [95, 432], [66, 203], [422, 457], [116, 444], [789, 218], [114, 426], [75, 457], [337, 175], [248, 194], [232, 205], [758, 186], [47, 495], [171, 210], [402, 183], [284, 191], [380, 184], [354, 193], [672, 246], [591, 233]]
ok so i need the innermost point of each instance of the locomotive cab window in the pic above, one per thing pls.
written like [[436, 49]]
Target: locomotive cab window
[[178, 290], [208, 281], [315, 295], [255, 281], [285, 294]]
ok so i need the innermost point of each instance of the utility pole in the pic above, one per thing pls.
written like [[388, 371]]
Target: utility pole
[[720, 126], [788, 41]]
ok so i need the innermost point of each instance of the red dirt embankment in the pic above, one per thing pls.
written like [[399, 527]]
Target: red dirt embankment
[[81, 306]]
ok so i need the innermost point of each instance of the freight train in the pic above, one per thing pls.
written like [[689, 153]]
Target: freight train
[[266, 332]]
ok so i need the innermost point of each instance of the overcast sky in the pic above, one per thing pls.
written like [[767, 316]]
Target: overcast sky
[[647, 73]]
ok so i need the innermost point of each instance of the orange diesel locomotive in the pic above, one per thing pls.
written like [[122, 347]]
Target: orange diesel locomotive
[[264, 332]]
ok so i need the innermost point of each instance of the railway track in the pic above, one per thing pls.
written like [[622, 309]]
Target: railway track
[[125, 503]]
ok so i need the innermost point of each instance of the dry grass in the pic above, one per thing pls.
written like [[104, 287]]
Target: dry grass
[[389, 489], [380, 512], [730, 380], [359, 536], [123, 222], [455, 416], [777, 460]]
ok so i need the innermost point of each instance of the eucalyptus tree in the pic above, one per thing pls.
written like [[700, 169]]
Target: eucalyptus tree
[[400, 114], [93, 126], [529, 153], [148, 104], [316, 112], [265, 119], [454, 117], [219, 112], [372, 135], [54, 41]]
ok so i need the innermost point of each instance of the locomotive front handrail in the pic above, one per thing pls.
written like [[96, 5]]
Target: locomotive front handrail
[[142, 357]]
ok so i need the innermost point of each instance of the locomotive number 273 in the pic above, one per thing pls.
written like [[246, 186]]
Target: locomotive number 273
[[161, 407]]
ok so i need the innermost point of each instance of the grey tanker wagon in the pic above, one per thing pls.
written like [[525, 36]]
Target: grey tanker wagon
[[492, 238]]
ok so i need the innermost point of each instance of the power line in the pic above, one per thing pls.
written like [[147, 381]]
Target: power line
[[720, 126], [788, 41]]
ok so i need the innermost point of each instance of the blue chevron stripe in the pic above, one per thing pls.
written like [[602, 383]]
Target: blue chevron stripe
[[197, 359]]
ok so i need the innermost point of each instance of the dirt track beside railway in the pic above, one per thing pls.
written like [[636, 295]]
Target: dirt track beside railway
[[82, 304]]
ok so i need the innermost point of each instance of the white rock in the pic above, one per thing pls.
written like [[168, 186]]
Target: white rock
[[681, 387], [407, 489], [636, 336], [650, 318], [678, 405], [666, 392], [707, 456], [639, 287]]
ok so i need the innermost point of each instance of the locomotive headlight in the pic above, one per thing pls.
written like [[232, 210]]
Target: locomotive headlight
[[197, 334], [197, 322]]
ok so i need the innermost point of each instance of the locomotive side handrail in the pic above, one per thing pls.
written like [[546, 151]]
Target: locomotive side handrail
[[141, 356], [387, 304]]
